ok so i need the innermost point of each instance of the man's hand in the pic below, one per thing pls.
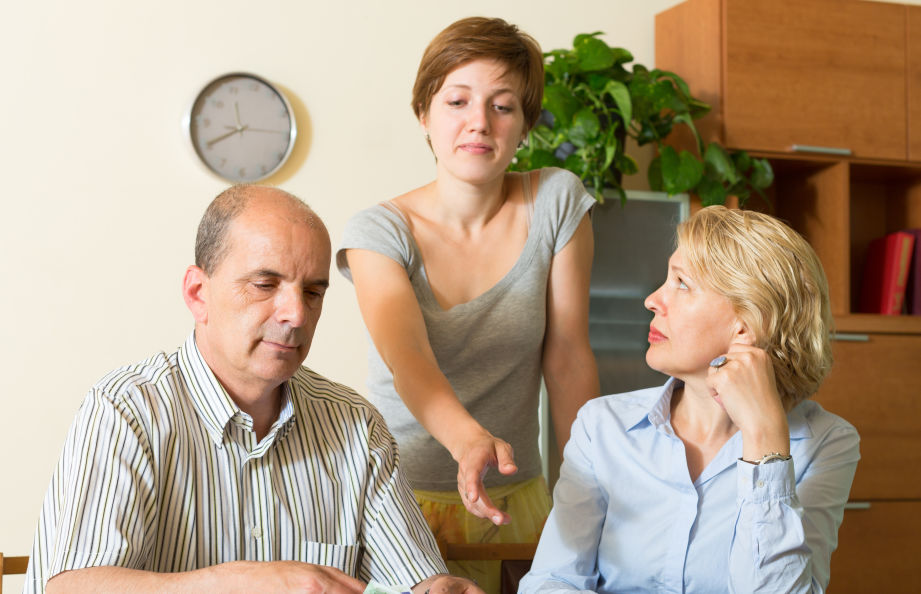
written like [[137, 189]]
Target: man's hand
[[447, 584], [294, 576]]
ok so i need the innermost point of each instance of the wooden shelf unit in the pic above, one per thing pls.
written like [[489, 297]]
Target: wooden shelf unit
[[833, 73]]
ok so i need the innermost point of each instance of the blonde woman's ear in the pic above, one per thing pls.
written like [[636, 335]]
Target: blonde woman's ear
[[742, 334]]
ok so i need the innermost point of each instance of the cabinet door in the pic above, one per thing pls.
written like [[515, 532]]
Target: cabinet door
[[824, 72], [875, 385], [914, 83], [879, 549]]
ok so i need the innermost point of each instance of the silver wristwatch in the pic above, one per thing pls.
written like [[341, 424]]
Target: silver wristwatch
[[768, 458]]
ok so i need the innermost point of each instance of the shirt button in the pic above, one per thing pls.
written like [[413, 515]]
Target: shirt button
[[760, 484], [257, 533]]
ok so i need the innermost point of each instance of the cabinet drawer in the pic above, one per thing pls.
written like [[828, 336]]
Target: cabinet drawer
[[879, 549], [822, 72], [876, 386], [780, 73]]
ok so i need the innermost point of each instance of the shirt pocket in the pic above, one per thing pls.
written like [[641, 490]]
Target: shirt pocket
[[342, 557]]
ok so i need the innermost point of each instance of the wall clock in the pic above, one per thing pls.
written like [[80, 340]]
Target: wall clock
[[242, 127]]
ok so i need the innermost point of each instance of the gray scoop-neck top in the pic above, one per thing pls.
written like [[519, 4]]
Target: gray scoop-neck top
[[490, 347]]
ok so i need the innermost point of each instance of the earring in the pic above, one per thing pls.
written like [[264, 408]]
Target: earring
[[428, 138]]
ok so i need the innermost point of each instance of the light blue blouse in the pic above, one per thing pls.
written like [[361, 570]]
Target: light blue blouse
[[628, 518]]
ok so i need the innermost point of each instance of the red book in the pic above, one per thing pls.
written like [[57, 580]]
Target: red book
[[913, 289], [885, 274]]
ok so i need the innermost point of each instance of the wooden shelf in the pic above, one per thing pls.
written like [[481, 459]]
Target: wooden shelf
[[870, 323]]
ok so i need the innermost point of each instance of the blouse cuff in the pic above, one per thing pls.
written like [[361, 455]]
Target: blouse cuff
[[765, 482]]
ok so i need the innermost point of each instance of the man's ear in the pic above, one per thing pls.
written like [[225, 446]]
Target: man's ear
[[194, 292]]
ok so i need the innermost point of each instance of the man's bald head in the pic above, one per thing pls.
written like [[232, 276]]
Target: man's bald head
[[211, 243]]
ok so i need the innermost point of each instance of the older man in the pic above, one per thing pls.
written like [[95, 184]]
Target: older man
[[226, 465]]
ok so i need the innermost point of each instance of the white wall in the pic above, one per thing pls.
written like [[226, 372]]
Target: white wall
[[102, 194]]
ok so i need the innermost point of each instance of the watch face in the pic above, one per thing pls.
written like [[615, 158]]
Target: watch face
[[242, 127]]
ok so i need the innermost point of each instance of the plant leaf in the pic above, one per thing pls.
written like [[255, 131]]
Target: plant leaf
[[680, 172], [716, 157], [626, 164], [585, 127], [687, 120], [621, 56], [654, 174], [593, 53], [711, 192], [542, 158], [742, 161], [576, 164], [562, 103], [762, 173], [621, 96]]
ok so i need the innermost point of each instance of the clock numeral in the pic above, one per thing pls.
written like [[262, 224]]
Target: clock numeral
[[254, 86], [264, 169], [206, 123], [242, 171], [234, 90], [218, 104], [223, 162]]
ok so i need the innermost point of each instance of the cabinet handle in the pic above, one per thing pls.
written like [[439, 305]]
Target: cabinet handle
[[847, 337], [824, 150], [857, 505]]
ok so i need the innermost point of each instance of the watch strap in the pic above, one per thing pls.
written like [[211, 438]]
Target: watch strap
[[768, 458]]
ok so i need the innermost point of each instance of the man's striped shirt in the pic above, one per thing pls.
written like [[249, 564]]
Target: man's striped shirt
[[161, 471]]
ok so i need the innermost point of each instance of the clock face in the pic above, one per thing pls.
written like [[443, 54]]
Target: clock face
[[242, 127]]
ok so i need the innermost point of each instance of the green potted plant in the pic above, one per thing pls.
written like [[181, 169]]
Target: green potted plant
[[592, 103]]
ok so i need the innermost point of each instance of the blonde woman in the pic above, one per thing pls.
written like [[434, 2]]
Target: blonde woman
[[728, 478]]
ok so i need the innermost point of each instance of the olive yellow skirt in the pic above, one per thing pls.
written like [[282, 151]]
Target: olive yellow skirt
[[528, 504]]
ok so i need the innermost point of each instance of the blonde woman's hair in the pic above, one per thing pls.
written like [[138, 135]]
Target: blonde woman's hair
[[776, 285]]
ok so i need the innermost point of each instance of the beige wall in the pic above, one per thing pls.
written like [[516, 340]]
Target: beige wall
[[102, 193]]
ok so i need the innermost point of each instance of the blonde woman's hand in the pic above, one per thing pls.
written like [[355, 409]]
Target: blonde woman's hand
[[473, 461], [745, 387]]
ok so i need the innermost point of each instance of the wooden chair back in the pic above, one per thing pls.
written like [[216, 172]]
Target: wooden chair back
[[11, 566], [515, 558]]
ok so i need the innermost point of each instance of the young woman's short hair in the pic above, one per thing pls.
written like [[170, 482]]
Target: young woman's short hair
[[480, 38]]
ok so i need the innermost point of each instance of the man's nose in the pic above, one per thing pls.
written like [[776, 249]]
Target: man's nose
[[291, 306]]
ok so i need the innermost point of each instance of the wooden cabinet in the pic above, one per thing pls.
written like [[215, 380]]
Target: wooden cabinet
[[833, 73], [879, 549], [788, 73], [840, 205], [914, 82], [872, 386]]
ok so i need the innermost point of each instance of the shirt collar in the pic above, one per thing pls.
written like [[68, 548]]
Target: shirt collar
[[798, 423], [211, 400], [658, 412]]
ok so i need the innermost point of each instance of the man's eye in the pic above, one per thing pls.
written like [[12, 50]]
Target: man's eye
[[264, 286], [456, 102], [503, 108]]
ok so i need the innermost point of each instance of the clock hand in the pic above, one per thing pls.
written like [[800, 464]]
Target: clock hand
[[214, 141], [265, 130], [236, 110]]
